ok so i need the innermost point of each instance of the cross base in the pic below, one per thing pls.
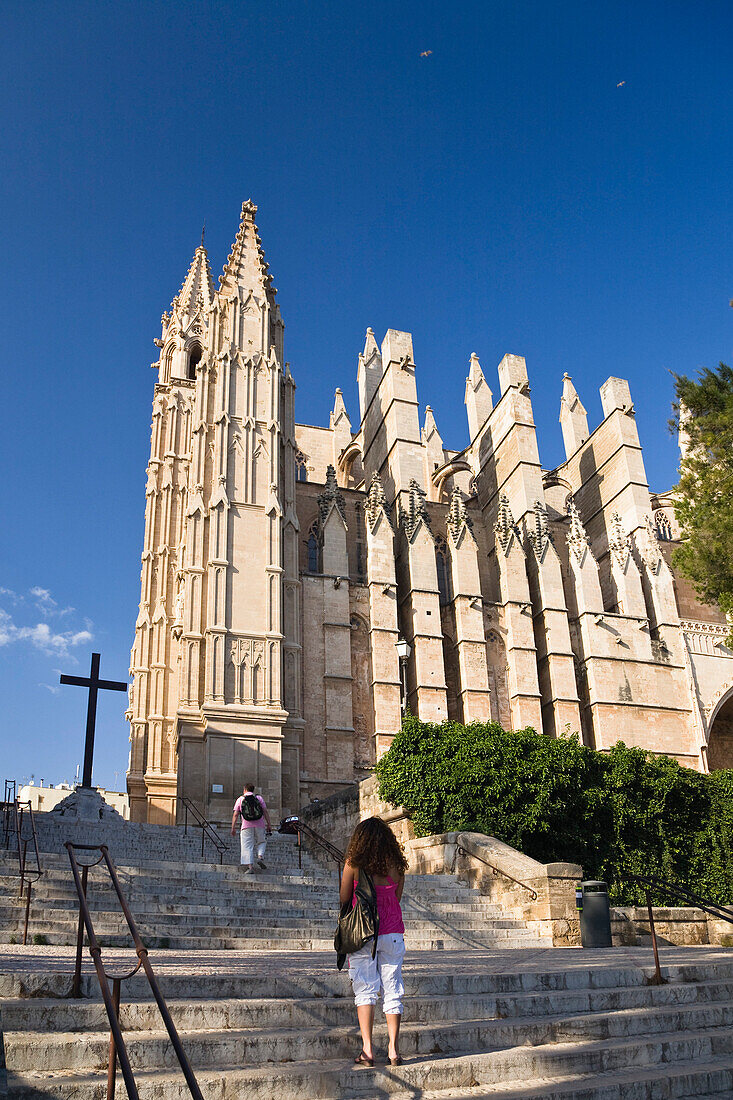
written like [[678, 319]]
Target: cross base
[[86, 804]]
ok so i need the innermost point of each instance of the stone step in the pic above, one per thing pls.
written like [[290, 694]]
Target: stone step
[[593, 1072], [246, 895], [238, 1046], [224, 916], [42, 1014], [297, 940], [583, 975]]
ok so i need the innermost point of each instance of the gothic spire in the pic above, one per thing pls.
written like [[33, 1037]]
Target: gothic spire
[[573, 417], [417, 510], [577, 535], [246, 266], [376, 502], [197, 291], [619, 541], [538, 529], [479, 399], [505, 527], [330, 497], [458, 517]]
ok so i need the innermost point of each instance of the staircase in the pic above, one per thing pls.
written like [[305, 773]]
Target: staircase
[[588, 1028], [247, 966], [211, 907]]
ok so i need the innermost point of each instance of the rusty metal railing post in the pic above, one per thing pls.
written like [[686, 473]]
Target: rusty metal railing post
[[300, 850], [22, 867], [28, 889], [112, 1063], [142, 955], [76, 984], [96, 952], [658, 979]]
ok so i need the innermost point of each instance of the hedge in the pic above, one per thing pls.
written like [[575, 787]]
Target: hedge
[[616, 813]]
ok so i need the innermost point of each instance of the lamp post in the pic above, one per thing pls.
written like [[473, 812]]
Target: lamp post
[[404, 649]]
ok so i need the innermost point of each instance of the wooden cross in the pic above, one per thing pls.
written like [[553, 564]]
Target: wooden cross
[[92, 682]]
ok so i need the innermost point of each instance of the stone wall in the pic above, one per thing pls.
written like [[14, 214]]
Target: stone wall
[[543, 895], [677, 925]]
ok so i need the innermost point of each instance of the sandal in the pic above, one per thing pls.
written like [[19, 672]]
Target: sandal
[[395, 1061], [362, 1060]]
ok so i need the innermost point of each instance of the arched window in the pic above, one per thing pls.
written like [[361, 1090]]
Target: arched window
[[301, 472], [168, 362], [194, 358], [314, 550], [442, 562], [663, 526]]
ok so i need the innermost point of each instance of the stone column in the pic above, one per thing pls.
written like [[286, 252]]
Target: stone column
[[556, 666], [339, 725], [522, 682], [469, 616], [383, 628], [420, 611]]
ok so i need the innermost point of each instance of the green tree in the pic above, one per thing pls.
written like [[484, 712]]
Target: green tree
[[704, 499]]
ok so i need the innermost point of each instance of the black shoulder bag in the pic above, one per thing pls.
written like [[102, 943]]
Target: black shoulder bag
[[359, 923]]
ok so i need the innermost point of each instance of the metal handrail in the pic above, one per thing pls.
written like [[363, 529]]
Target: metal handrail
[[208, 832], [9, 797], [681, 893], [23, 839], [497, 871], [295, 825], [117, 1048]]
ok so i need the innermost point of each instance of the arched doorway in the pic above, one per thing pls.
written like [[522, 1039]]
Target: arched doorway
[[720, 738]]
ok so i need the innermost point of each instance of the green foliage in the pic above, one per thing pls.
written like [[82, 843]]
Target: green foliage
[[616, 813], [704, 496]]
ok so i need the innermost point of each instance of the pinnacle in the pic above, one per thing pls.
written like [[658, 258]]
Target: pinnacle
[[197, 290], [370, 344], [474, 371], [569, 393], [246, 266]]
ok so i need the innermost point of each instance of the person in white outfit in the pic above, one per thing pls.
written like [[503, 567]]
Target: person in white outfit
[[252, 810], [375, 849]]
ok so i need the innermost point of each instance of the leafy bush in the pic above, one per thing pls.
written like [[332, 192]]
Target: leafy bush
[[616, 813]]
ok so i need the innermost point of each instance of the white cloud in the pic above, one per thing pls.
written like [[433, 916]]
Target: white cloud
[[45, 602], [42, 637], [53, 688]]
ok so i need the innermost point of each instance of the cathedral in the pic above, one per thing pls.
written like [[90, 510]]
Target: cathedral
[[303, 586]]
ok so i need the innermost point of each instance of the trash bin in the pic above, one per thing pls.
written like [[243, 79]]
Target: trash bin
[[595, 916]]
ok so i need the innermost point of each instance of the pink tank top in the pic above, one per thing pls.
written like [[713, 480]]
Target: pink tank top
[[388, 907]]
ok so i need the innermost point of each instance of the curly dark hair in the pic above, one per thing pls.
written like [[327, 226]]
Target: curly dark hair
[[374, 848]]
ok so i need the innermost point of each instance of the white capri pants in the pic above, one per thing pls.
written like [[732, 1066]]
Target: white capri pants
[[250, 838], [384, 970]]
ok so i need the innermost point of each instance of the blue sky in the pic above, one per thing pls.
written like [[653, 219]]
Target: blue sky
[[502, 194]]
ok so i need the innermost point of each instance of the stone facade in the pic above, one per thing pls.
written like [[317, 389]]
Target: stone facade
[[282, 562]]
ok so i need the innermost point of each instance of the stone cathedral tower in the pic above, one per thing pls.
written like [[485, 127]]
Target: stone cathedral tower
[[286, 565], [218, 614]]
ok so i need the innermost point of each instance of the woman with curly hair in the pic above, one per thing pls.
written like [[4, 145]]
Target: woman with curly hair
[[375, 849]]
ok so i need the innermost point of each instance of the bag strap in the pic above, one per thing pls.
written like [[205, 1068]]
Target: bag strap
[[372, 902]]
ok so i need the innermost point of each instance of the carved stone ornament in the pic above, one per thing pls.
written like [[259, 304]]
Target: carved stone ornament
[[458, 516], [538, 529], [505, 527], [331, 495], [619, 542], [376, 502], [646, 541], [578, 540], [417, 510]]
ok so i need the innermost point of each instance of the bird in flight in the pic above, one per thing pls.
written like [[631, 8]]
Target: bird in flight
[[426, 53], [620, 83]]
